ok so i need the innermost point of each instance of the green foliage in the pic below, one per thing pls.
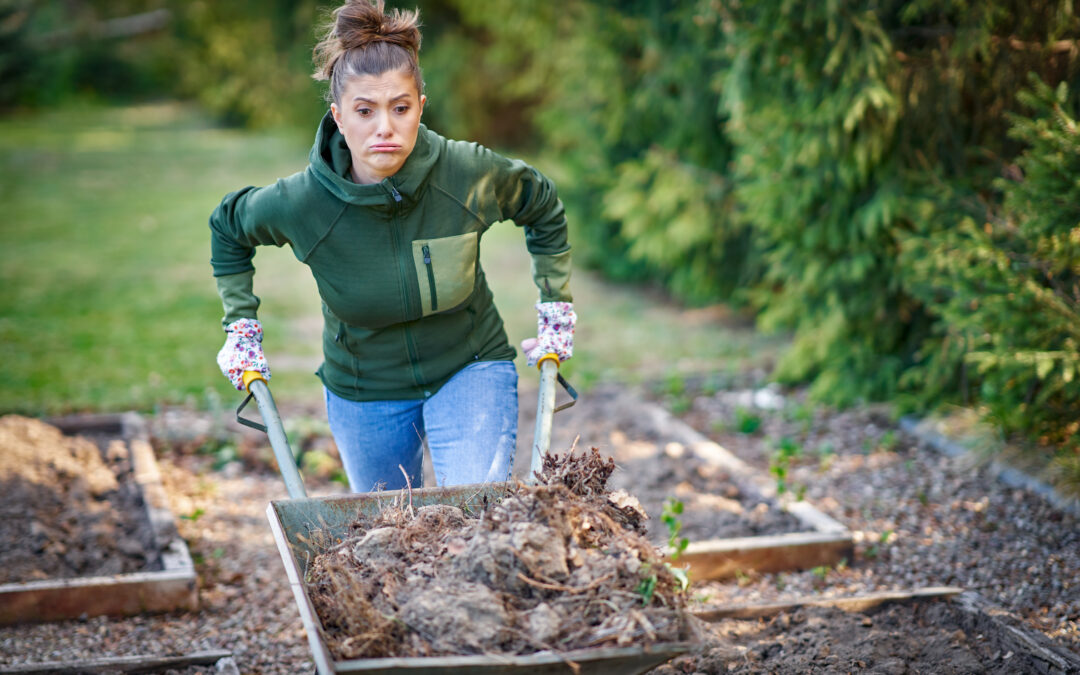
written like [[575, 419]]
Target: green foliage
[[1008, 289], [249, 61]]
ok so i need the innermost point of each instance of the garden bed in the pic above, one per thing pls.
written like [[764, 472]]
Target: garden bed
[[931, 631], [86, 527], [732, 516]]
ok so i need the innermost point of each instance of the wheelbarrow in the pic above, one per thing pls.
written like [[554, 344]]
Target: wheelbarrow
[[300, 523]]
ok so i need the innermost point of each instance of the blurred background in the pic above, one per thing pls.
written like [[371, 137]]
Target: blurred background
[[878, 201]]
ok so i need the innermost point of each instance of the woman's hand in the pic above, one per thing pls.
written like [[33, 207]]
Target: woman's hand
[[242, 351], [554, 332]]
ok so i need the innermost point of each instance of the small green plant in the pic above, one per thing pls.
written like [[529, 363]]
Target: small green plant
[[673, 508], [875, 550], [888, 442], [680, 405], [780, 582], [674, 385], [746, 422], [826, 456], [780, 465], [821, 571], [646, 587], [742, 578], [194, 515]]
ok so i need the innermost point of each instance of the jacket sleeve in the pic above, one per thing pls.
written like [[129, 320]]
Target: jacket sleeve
[[245, 219], [529, 198]]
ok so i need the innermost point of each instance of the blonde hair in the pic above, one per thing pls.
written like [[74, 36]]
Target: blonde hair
[[364, 39]]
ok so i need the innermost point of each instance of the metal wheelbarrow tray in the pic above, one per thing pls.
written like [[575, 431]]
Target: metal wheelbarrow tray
[[298, 522], [301, 521]]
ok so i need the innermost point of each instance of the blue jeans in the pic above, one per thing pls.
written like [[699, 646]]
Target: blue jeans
[[470, 426]]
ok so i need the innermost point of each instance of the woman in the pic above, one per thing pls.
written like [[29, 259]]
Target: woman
[[389, 217]]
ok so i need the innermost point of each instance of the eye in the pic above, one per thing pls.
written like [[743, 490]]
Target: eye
[[401, 109], [363, 112]]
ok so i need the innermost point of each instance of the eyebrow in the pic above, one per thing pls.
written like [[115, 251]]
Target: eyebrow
[[373, 102]]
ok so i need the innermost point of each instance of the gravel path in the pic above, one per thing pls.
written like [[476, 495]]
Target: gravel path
[[920, 519]]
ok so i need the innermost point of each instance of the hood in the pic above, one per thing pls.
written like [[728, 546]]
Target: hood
[[331, 161]]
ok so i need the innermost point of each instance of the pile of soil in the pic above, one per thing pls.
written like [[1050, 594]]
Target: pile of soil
[[925, 637], [559, 566], [714, 507], [71, 507]]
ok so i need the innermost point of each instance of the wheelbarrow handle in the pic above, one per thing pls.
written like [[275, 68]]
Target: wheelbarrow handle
[[545, 408], [260, 391]]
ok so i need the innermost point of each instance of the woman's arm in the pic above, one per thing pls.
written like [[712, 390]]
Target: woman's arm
[[529, 198]]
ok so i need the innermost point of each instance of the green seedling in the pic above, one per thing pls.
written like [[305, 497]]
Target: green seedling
[[680, 405], [780, 465], [888, 442], [194, 515], [883, 539], [673, 508], [746, 422], [645, 588], [826, 456]]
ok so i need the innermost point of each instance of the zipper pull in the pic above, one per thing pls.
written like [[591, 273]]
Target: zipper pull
[[427, 254], [397, 195]]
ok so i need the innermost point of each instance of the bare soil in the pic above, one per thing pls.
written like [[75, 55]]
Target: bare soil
[[71, 507], [926, 637]]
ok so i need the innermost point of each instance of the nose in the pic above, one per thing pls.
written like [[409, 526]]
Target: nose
[[383, 128]]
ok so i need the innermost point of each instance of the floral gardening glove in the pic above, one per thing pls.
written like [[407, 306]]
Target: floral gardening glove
[[242, 351], [554, 332]]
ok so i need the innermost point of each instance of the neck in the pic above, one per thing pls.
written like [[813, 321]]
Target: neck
[[366, 178]]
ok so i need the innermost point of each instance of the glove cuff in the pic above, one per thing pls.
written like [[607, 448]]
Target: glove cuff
[[247, 328]]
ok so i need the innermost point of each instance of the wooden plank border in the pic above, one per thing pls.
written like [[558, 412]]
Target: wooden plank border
[[124, 664], [827, 542], [1033, 652], [172, 588], [850, 603]]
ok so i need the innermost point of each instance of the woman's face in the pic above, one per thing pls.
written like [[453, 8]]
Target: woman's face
[[379, 115]]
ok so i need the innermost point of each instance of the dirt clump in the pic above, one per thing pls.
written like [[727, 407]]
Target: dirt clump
[[69, 508], [557, 566]]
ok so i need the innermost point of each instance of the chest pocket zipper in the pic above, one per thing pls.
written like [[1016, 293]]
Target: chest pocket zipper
[[431, 278]]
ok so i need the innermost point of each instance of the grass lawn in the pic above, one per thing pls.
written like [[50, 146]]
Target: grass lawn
[[108, 301]]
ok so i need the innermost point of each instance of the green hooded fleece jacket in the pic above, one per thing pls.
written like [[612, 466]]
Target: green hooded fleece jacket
[[404, 299]]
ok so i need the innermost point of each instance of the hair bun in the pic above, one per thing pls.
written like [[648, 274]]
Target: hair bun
[[360, 23]]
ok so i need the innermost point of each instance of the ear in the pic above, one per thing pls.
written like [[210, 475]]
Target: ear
[[423, 100], [336, 113]]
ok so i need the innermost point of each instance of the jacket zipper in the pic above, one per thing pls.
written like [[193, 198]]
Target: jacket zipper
[[430, 278], [395, 234]]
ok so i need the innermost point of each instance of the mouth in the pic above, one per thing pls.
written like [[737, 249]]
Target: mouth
[[385, 147]]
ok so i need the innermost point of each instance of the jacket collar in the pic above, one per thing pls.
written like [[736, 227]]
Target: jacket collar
[[331, 161]]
